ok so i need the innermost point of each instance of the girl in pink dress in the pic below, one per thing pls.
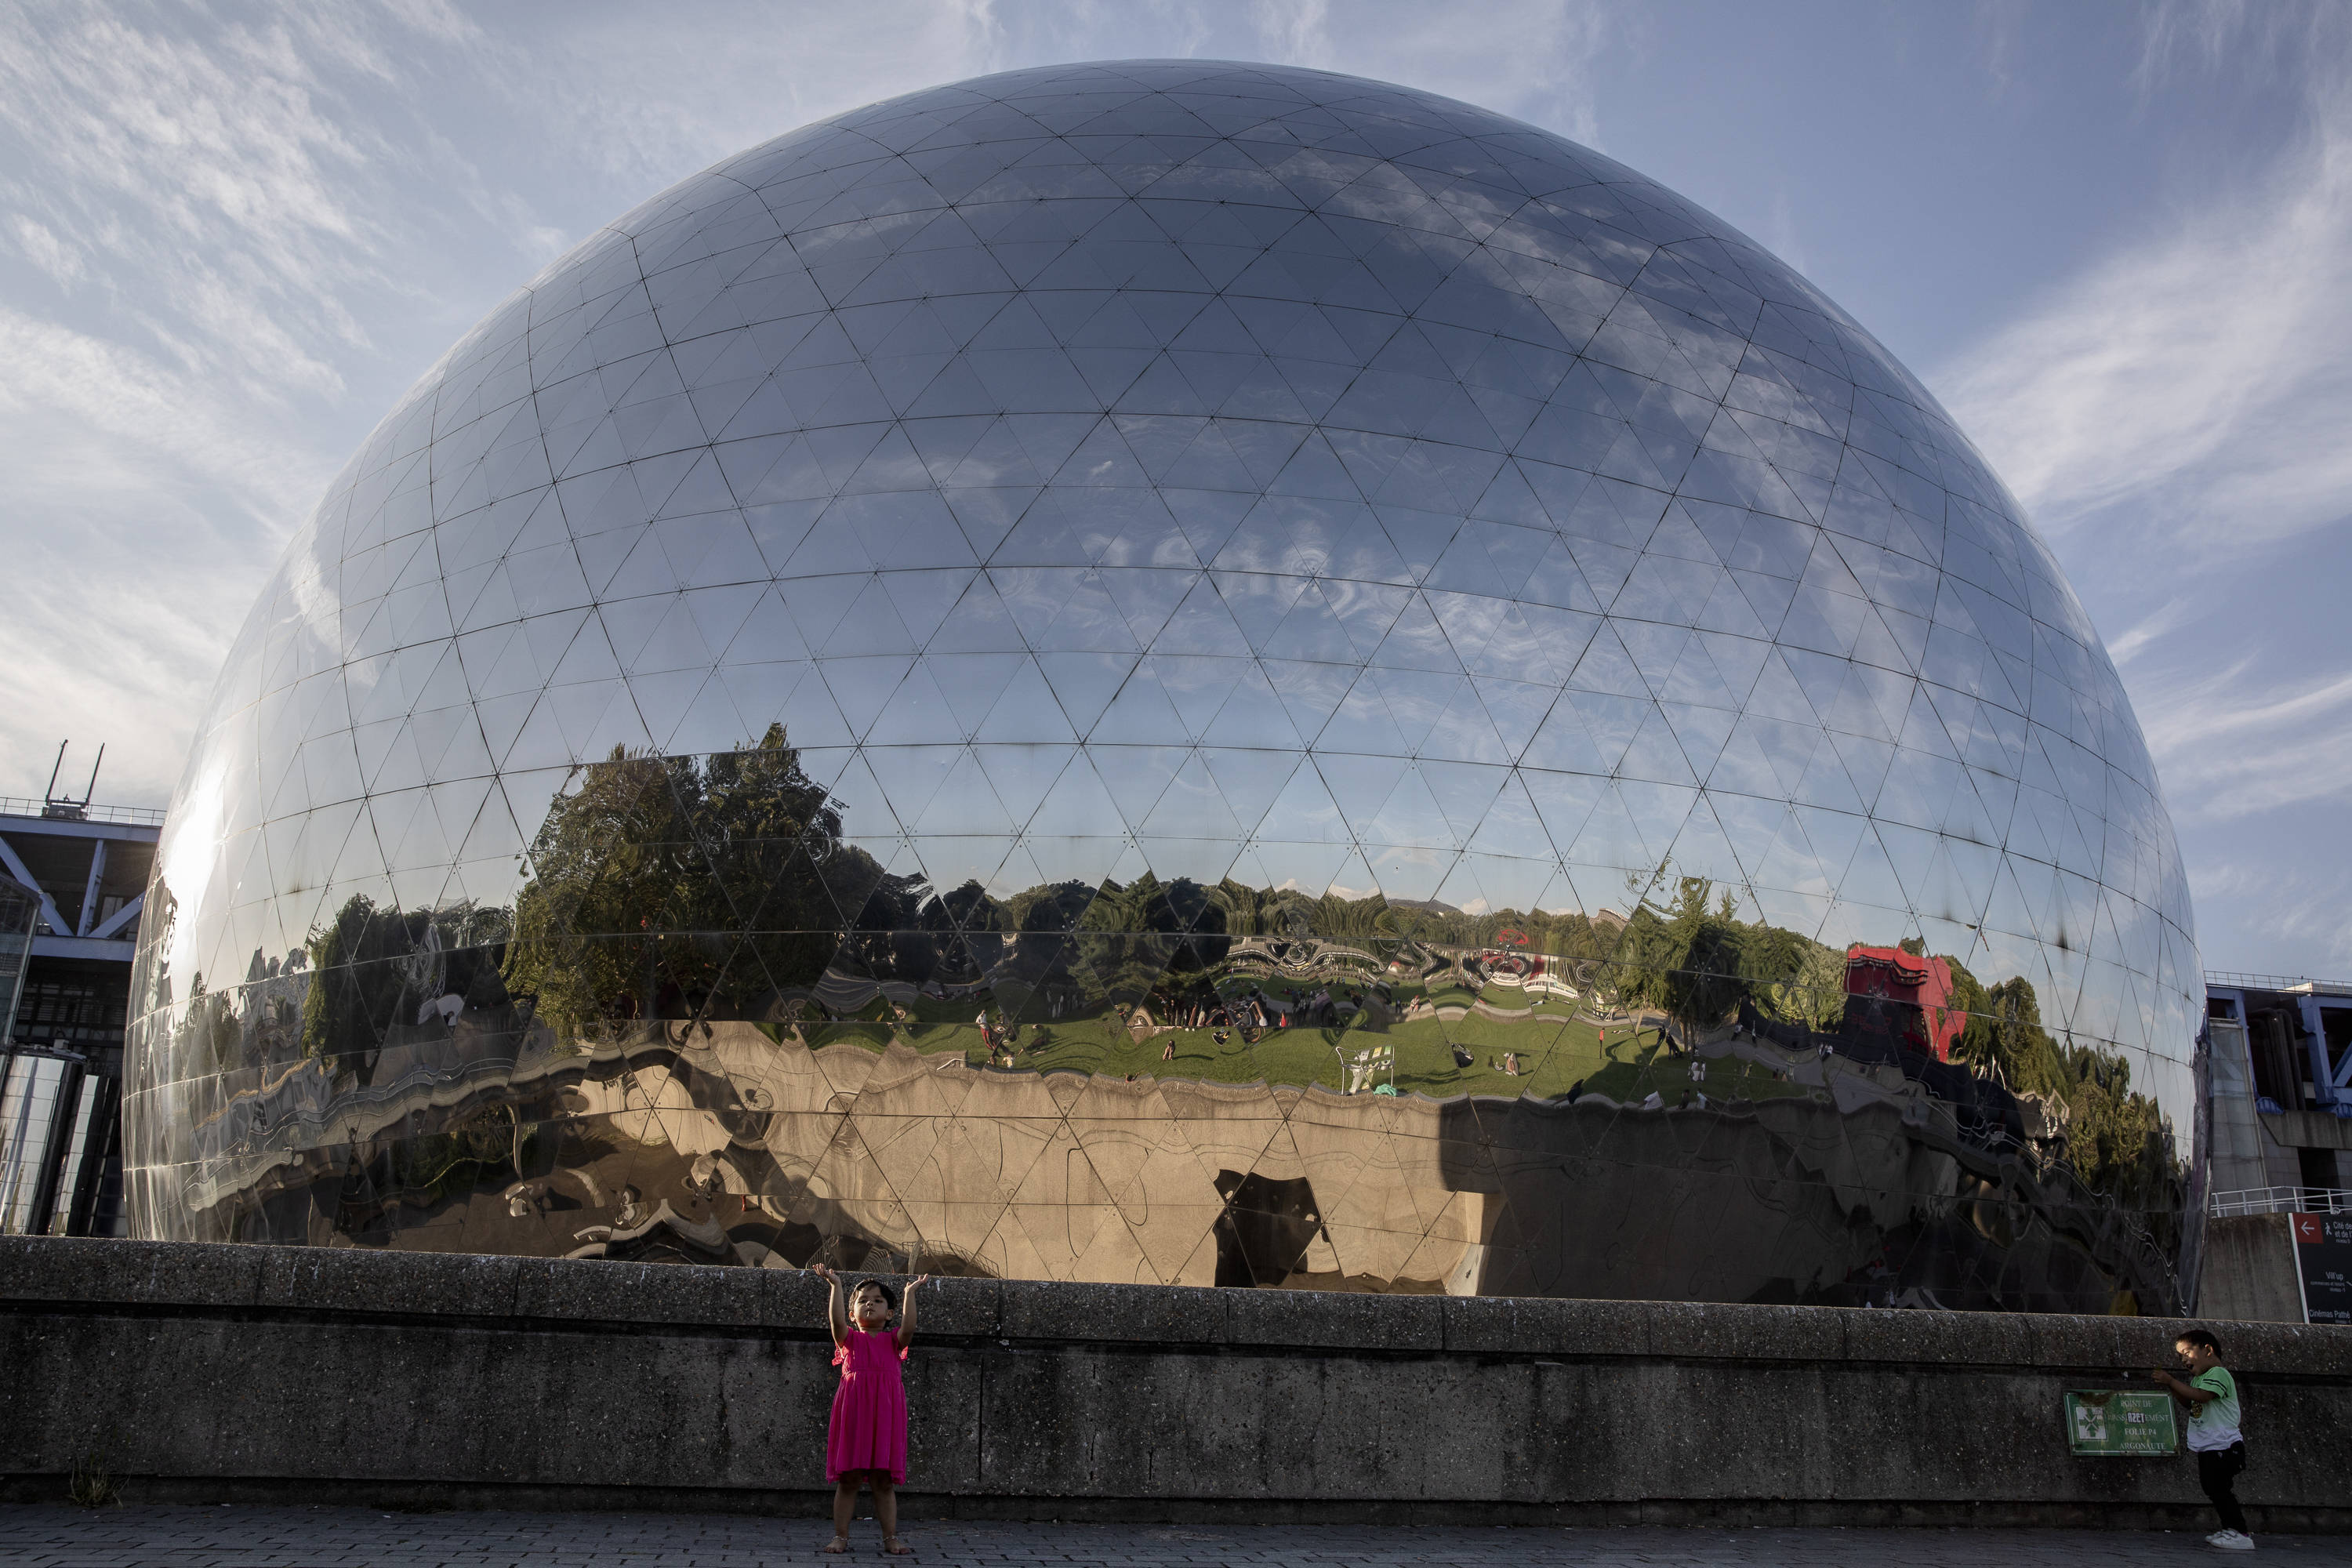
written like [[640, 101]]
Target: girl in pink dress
[[867, 1443]]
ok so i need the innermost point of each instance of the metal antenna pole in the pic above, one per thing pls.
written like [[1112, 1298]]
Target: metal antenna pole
[[90, 792], [51, 793]]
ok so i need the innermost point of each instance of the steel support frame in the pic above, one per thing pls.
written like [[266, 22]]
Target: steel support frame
[[2328, 1080], [15, 867], [89, 888], [119, 918]]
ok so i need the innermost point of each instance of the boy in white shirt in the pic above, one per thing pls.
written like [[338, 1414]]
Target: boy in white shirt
[[2211, 1395]]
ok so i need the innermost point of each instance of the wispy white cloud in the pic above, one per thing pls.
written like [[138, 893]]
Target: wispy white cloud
[[2173, 414], [1533, 58], [207, 202], [645, 107], [261, 218], [2189, 387], [41, 247], [53, 371], [718, 77], [1781, 234], [2281, 918], [2200, 380], [434, 18], [2221, 717], [2228, 752], [2148, 631], [130, 564], [188, 154]]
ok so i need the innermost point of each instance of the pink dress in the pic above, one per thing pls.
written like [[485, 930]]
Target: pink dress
[[869, 1409]]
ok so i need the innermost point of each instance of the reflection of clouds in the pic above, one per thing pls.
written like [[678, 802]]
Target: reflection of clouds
[[279, 185], [1338, 673]]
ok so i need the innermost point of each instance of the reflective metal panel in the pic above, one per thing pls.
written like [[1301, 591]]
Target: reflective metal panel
[[1183, 672]]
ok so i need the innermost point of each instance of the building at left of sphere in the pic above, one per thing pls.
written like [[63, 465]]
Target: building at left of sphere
[[73, 878]]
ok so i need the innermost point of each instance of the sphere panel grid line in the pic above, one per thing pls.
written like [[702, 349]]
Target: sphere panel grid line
[[1095, 543]]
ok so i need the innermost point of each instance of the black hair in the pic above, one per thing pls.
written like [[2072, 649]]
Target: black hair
[[889, 1296], [2201, 1338]]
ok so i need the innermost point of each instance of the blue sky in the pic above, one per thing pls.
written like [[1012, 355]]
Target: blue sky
[[2115, 240]]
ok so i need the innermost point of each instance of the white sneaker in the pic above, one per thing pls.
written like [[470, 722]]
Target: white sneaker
[[2230, 1541]]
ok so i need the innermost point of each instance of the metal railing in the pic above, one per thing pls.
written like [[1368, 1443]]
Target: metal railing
[[2280, 1200], [136, 815], [2238, 981]]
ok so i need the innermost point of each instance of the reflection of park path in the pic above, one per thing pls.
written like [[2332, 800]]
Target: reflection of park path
[[1080, 1176], [1482, 1008], [1069, 1175]]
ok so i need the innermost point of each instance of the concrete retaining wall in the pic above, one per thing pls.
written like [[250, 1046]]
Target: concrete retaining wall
[[2248, 1272], [202, 1372]]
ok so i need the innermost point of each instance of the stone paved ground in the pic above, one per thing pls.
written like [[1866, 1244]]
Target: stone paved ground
[[60, 1537]]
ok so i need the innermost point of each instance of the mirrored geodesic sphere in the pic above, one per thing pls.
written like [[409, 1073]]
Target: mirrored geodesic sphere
[[1186, 672]]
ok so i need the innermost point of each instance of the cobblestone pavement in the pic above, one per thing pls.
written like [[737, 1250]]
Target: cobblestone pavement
[[57, 1537], [336, 1538]]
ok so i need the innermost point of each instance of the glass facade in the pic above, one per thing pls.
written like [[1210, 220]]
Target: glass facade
[[20, 919], [1182, 672]]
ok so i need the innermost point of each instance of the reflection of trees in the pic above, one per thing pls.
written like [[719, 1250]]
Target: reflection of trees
[[1285, 911], [212, 1027], [667, 889], [724, 886], [1686, 963], [706, 884], [966, 929], [2116, 1137], [1791, 977], [1107, 943], [1698, 963], [356, 981], [372, 966]]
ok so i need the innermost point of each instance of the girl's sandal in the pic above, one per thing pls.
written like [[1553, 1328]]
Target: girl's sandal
[[840, 1547], [894, 1547]]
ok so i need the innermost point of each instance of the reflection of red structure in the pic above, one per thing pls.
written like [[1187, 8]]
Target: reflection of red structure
[[1511, 936], [1892, 974], [1521, 966]]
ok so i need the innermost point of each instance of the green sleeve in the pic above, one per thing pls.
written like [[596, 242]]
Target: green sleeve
[[2216, 1381]]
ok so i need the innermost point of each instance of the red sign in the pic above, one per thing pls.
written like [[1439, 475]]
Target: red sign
[[2307, 1229]]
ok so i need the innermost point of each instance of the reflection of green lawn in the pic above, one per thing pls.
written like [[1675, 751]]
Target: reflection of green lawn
[[1556, 1053]]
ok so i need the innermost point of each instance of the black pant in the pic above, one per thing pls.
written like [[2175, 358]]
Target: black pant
[[2217, 1472]]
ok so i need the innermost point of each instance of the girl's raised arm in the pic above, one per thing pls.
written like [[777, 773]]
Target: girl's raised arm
[[836, 1316], [907, 1310]]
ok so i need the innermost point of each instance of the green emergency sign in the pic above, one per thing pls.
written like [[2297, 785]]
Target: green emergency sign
[[2119, 1423]]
